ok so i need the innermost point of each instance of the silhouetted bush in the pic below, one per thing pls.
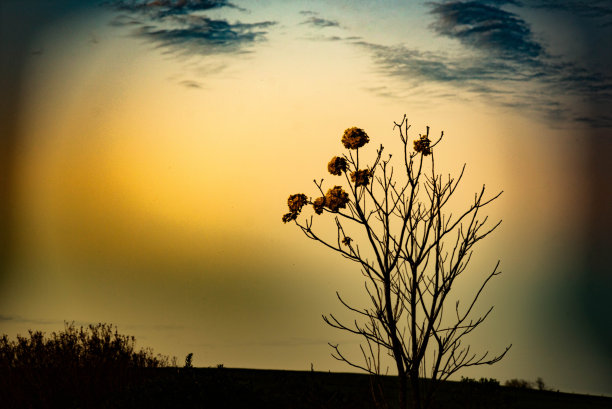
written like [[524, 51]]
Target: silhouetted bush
[[540, 384], [486, 382], [76, 367], [518, 383], [188, 361], [95, 346], [479, 394]]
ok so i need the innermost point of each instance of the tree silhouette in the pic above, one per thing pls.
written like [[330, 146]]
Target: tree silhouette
[[411, 250]]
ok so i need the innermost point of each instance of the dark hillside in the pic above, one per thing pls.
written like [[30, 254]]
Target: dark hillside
[[97, 367], [250, 388]]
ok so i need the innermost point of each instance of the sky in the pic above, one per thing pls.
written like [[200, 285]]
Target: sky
[[149, 148]]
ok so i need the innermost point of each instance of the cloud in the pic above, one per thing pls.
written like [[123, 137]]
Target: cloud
[[541, 88], [598, 121], [334, 38], [483, 26], [416, 65], [319, 22], [597, 9], [164, 8], [124, 20], [500, 63], [191, 84], [314, 20], [203, 35], [498, 82], [180, 27]]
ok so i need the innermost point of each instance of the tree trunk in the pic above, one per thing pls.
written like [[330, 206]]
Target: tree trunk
[[416, 389], [403, 398]]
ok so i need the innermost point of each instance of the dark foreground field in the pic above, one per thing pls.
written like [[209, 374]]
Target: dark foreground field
[[248, 388]]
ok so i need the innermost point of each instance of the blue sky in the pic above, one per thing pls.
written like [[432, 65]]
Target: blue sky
[[150, 148]]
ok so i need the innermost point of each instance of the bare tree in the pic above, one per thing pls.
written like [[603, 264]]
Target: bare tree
[[412, 251]]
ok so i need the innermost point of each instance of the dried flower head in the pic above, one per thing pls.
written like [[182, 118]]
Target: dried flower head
[[336, 166], [336, 199], [354, 138], [347, 241], [289, 216], [318, 205], [361, 177], [422, 145], [296, 202]]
